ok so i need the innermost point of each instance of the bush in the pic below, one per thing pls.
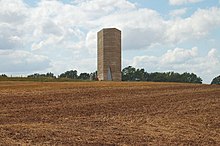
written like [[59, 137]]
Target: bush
[[216, 80]]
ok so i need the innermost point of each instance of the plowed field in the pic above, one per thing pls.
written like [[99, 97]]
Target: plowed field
[[109, 113]]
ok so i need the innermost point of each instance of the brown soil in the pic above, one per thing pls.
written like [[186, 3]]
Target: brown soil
[[109, 113]]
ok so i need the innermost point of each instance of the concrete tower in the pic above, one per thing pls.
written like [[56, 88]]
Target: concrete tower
[[109, 54]]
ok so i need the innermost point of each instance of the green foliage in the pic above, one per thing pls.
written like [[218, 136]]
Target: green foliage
[[128, 74], [69, 74], [41, 79], [37, 75], [93, 76], [72, 74], [131, 74], [3, 76], [84, 76], [216, 81]]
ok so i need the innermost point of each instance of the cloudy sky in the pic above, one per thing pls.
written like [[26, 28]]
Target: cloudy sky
[[158, 35]]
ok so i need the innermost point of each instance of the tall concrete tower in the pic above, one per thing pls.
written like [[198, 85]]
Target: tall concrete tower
[[109, 54]]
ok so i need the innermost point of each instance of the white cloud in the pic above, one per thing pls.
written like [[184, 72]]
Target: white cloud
[[54, 25], [197, 26], [22, 61], [178, 12], [12, 11], [179, 55], [12, 18], [182, 60], [181, 2], [148, 28], [97, 7], [145, 26]]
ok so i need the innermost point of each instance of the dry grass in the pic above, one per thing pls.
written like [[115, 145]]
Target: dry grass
[[109, 113]]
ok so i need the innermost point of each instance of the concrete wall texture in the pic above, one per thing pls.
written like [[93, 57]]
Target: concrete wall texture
[[109, 54]]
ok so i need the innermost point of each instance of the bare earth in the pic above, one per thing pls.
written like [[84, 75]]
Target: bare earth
[[109, 113]]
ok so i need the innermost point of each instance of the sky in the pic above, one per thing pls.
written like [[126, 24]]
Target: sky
[[40, 36]]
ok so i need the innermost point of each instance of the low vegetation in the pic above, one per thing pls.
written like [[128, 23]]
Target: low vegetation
[[216, 80]]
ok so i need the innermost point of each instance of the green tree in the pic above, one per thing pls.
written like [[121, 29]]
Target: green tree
[[190, 78], [84, 76], [174, 77], [157, 77], [37, 75], [128, 74], [4, 76], [72, 74], [93, 76], [140, 75], [132, 74], [50, 75], [216, 80]]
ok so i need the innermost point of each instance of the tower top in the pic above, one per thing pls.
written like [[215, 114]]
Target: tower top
[[110, 29]]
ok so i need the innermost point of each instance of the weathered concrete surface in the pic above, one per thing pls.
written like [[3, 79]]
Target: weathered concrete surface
[[109, 54]]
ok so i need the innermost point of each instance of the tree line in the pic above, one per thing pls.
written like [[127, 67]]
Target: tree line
[[72, 74], [128, 74], [132, 74]]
